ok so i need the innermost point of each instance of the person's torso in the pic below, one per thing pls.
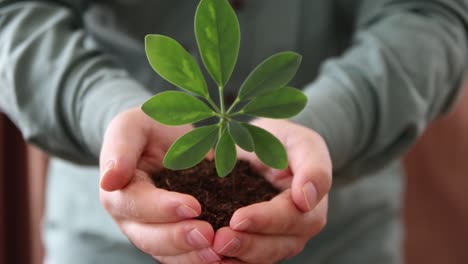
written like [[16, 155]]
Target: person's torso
[[363, 220]]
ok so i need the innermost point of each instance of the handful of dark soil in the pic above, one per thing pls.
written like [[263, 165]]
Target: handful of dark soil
[[219, 197]]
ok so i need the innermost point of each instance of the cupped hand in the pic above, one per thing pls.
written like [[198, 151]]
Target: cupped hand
[[279, 229], [158, 222]]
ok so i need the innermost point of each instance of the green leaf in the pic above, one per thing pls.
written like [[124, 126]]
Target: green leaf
[[282, 103], [191, 148], [268, 148], [273, 73], [176, 108], [241, 136], [225, 154], [174, 64], [218, 37]]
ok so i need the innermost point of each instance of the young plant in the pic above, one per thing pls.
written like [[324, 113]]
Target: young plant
[[263, 94]]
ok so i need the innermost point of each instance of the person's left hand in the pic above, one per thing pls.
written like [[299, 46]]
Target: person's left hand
[[278, 229]]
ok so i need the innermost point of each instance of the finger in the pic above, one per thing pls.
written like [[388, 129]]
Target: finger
[[206, 255], [121, 150], [142, 201], [308, 160], [310, 166], [279, 216], [169, 239], [254, 248], [281, 179], [309, 172]]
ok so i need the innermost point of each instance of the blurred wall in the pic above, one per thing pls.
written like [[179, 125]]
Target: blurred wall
[[15, 246], [436, 201]]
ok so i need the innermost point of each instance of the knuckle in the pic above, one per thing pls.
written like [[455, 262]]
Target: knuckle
[[286, 222], [177, 238], [245, 248], [130, 207], [119, 206], [319, 223]]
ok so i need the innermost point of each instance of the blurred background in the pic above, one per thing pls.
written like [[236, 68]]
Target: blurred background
[[435, 209]]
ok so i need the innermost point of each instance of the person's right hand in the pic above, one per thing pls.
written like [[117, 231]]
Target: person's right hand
[[156, 221]]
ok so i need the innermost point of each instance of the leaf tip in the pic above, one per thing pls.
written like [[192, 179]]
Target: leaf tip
[[222, 174]]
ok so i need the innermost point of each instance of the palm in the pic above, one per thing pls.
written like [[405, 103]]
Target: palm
[[159, 139]]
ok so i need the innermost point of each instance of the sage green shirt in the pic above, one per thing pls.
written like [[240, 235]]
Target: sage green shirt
[[375, 71]]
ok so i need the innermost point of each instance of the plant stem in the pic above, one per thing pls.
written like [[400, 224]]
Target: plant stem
[[221, 99], [237, 113], [212, 104], [237, 101], [222, 125]]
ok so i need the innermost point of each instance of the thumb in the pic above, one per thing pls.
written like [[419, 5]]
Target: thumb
[[124, 142], [311, 167]]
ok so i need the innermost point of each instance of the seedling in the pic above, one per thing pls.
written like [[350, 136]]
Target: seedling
[[263, 94]]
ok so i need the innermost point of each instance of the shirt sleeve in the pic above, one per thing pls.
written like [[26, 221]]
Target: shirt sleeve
[[58, 89], [404, 68]]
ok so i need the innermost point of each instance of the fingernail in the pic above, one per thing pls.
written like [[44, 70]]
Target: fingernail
[[208, 255], [310, 195], [186, 212], [196, 239], [243, 225], [109, 165], [231, 247]]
